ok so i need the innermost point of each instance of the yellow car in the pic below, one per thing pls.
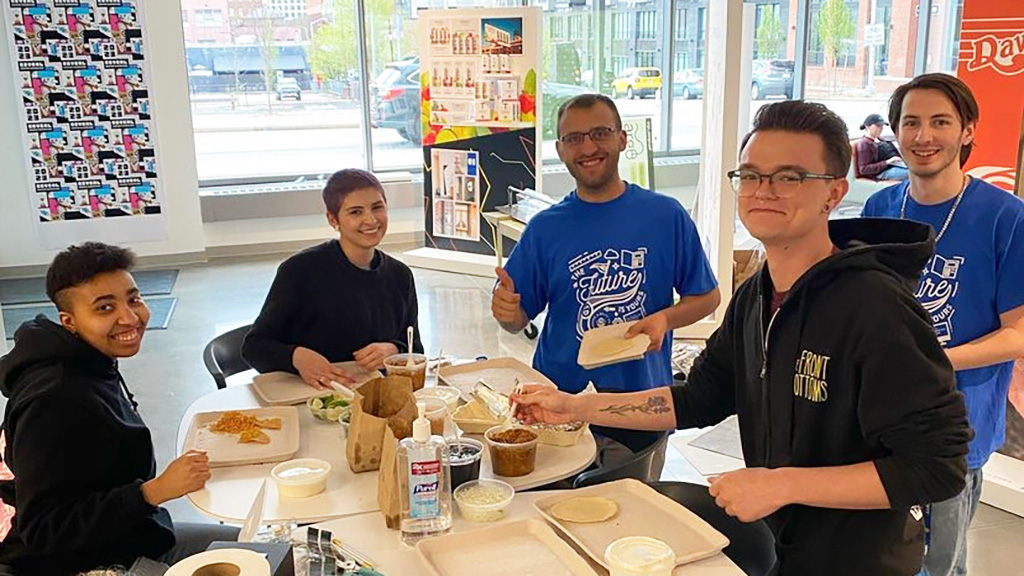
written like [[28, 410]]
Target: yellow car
[[633, 82]]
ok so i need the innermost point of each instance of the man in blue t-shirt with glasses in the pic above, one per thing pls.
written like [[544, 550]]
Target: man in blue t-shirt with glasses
[[609, 252], [973, 287]]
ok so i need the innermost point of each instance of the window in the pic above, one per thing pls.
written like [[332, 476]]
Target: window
[[688, 72], [620, 22], [833, 33], [575, 27], [184, 16], [645, 57], [557, 27], [209, 17], [944, 36], [681, 29], [646, 24], [679, 63], [619, 64]]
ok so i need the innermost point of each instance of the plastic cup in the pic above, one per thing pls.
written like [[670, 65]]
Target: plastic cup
[[639, 556], [437, 413], [398, 365], [512, 458], [464, 458]]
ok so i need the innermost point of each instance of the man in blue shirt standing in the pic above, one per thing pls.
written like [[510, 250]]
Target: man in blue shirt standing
[[973, 287], [609, 252]]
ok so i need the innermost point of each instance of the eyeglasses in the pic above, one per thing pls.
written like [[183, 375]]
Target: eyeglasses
[[782, 184], [597, 135]]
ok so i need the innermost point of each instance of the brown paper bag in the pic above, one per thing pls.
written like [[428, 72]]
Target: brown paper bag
[[388, 496], [379, 404]]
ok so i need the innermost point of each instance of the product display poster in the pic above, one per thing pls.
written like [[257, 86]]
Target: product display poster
[[81, 75], [455, 184], [479, 107]]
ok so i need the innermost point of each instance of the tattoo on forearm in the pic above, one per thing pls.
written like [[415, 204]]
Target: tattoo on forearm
[[653, 405]]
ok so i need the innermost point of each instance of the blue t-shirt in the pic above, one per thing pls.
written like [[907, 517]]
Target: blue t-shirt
[[595, 264], [976, 274]]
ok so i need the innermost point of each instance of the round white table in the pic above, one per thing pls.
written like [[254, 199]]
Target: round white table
[[230, 491]]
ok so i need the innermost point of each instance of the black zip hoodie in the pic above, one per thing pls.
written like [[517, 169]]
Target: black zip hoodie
[[847, 371], [79, 453]]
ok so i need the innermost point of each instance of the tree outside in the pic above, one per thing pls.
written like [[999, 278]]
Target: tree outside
[[770, 39], [836, 27]]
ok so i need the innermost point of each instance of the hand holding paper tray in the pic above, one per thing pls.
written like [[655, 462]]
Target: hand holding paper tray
[[607, 345]]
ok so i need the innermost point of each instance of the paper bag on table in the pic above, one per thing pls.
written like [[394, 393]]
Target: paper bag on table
[[379, 404], [388, 497]]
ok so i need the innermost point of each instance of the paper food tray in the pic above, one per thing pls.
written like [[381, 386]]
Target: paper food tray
[[500, 373], [589, 360], [510, 549], [285, 388], [642, 512], [225, 450]]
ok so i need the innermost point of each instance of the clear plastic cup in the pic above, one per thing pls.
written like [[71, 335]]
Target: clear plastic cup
[[639, 556], [437, 413], [508, 458], [398, 365]]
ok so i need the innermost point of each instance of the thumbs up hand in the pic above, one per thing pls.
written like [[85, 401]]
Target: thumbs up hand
[[505, 301]]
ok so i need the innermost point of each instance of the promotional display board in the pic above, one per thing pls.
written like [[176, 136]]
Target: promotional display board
[[636, 163], [480, 105], [80, 70], [992, 64]]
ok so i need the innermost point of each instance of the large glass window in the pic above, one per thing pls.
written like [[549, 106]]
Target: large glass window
[[944, 35], [688, 74], [264, 106]]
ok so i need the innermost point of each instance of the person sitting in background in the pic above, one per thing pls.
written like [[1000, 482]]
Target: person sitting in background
[[341, 300], [876, 158], [84, 483]]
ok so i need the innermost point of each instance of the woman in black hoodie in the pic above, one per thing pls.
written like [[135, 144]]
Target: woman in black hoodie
[[849, 419], [85, 487]]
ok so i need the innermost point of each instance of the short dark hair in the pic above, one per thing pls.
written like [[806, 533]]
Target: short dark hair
[[344, 182], [953, 88], [586, 102], [807, 118], [79, 264]]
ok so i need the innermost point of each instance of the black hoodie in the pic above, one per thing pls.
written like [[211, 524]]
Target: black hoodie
[[79, 453], [848, 370]]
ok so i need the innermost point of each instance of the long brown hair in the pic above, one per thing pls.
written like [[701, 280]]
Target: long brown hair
[[953, 88]]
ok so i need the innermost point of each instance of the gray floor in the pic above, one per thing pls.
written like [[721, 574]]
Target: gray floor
[[168, 374]]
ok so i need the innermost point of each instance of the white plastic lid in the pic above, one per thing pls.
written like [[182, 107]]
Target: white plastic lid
[[421, 426], [640, 553]]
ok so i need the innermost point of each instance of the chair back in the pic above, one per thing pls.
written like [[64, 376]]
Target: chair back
[[223, 355], [638, 467]]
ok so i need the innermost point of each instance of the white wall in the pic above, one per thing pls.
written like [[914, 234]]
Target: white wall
[[175, 151]]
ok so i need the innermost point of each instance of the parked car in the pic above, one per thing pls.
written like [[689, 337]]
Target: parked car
[[688, 84], [633, 82], [587, 80], [396, 100], [771, 78], [288, 88]]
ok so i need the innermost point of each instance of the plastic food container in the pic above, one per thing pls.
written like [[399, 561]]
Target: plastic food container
[[398, 365], [302, 477], [513, 450], [483, 500], [450, 395], [334, 407], [639, 556], [464, 458]]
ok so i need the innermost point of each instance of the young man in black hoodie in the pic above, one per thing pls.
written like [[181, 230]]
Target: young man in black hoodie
[[848, 414], [85, 487]]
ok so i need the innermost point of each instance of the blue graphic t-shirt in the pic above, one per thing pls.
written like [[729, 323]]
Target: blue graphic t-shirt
[[976, 274], [593, 265]]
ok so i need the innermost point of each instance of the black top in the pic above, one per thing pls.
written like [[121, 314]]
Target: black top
[[851, 372], [79, 453], [321, 301]]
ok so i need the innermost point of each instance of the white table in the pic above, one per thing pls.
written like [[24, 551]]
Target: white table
[[230, 491], [367, 533]]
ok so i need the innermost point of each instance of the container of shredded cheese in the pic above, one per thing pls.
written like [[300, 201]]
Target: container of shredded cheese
[[484, 500], [639, 556], [301, 477]]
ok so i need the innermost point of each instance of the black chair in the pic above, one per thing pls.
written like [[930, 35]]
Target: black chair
[[638, 467], [751, 546], [223, 355]]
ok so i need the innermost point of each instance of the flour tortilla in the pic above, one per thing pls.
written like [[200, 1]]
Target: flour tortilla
[[611, 347], [585, 509]]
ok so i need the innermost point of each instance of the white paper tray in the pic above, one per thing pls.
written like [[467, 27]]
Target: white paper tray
[[285, 388], [642, 512], [509, 549], [499, 373], [586, 357], [225, 450]]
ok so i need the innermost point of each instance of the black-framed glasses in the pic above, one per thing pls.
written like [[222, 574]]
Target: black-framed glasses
[[783, 183], [597, 135]]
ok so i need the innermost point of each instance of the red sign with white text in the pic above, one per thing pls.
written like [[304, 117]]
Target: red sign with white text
[[992, 64]]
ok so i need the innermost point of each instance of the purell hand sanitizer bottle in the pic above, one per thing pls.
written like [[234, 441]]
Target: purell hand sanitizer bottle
[[424, 482]]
